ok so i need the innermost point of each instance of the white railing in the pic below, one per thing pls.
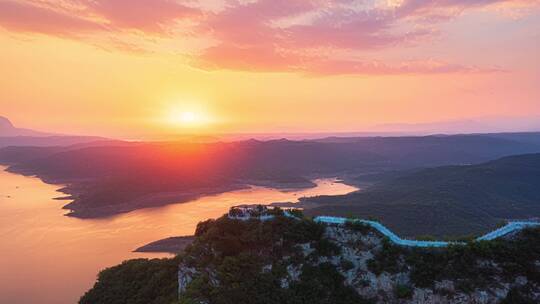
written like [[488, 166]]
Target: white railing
[[510, 227], [249, 217], [264, 217]]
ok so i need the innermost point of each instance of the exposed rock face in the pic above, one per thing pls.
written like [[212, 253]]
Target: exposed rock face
[[358, 250], [185, 276]]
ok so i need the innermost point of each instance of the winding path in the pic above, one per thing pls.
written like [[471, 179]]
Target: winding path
[[508, 228]]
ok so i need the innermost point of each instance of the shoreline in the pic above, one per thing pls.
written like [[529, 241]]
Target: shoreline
[[74, 189], [173, 245], [150, 200]]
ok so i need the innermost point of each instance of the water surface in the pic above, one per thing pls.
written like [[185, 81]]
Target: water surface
[[48, 258]]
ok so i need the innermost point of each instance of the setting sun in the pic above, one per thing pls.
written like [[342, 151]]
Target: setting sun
[[186, 118]]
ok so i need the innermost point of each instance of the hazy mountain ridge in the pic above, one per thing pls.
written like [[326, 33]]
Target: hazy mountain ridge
[[7, 129], [120, 177], [13, 136]]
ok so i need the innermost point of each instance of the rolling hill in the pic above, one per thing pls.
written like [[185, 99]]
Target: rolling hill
[[448, 200]]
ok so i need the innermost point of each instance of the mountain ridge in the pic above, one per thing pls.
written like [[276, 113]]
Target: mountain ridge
[[107, 180], [10, 135], [8, 129]]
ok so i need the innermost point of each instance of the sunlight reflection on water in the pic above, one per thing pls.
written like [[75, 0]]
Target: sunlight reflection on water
[[51, 258]]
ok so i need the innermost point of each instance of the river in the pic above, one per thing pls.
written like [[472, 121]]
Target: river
[[48, 258]]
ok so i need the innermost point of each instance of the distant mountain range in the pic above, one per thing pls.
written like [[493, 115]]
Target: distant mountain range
[[107, 177], [13, 136], [7, 129], [120, 177], [449, 200], [464, 126]]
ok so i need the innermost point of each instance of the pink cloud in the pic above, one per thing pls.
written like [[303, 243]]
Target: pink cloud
[[261, 35], [82, 16], [263, 59], [350, 67], [23, 17], [143, 15], [250, 41], [254, 58]]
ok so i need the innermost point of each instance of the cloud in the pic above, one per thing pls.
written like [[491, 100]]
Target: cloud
[[24, 17], [344, 67], [147, 16], [83, 16], [300, 36], [263, 59]]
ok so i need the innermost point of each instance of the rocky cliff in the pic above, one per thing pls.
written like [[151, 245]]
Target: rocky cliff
[[299, 261]]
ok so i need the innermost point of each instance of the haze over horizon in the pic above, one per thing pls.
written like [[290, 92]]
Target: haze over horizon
[[486, 125], [138, 69]]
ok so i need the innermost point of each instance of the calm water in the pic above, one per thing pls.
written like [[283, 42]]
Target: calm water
[[49, 258]]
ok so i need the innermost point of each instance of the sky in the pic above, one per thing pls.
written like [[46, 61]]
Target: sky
[[145, 69]]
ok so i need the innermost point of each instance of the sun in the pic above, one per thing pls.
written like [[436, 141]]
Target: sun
[[186, 118]]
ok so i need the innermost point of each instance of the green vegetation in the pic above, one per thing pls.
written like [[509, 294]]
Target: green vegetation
[[239, 262], [388, 259], [234, 253], [462, 264], [519, 296], [296, 212], [449, 200], [346, 264], [403, 291], [357, 226], [139, 281], [501, 224], [242, 282]]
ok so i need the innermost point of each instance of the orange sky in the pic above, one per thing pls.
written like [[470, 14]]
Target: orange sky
[[133, 69]]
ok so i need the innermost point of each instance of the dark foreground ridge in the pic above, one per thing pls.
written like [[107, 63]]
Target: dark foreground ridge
[[288, 260]]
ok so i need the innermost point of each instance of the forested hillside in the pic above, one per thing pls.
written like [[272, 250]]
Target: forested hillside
[[450, 200]]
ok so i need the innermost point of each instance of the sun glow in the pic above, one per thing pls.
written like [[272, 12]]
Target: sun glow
[[187, 118]]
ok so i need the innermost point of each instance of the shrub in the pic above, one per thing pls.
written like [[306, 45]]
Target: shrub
[[501, 224], [346, 265], [357, 226], [388, 259], [403, 291], [518, 296], [327, 248], [296, 213], [426, 237], [139, 281], [276, 211]]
